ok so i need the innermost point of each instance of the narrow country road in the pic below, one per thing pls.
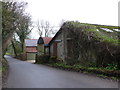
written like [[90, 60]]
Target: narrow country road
[[24, 74]]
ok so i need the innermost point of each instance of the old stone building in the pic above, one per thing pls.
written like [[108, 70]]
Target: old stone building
[[60, 45], [43, 46], [80, 43]]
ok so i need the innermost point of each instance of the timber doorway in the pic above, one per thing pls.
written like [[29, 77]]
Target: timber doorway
[[55, 49]]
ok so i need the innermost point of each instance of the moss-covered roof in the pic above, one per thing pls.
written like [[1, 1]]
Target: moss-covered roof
[[102, 33]]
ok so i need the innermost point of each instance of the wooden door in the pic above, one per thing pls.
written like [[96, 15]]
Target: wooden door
[[55, 49]]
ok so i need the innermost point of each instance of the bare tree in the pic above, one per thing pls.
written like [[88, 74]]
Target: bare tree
[[44, 28], [40, 27], [48, 29]]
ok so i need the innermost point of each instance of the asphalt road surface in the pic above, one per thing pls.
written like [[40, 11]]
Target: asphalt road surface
[[24, 74]]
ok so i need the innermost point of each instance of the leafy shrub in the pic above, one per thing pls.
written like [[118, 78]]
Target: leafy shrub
[[79, 68], [53, 59], [42, 59], [111, 67], [90, 46]]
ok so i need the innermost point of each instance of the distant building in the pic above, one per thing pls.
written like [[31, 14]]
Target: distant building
[[30, 49], [58, 46], [43, 45]]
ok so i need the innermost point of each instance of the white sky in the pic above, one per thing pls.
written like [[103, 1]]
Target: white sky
[[103, 12]]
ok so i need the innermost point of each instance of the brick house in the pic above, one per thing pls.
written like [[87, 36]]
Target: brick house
[[30, 49]]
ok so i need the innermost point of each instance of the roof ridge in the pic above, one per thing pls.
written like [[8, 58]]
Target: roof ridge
[[47, 37], [31, 39]]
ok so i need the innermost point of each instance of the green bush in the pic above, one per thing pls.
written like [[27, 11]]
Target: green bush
[[98, 71], [90, 46], [42, 59], [111, 67], [53, 59]]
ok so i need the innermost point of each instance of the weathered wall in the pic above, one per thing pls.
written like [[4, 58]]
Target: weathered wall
[[40, 49], [29, 53], [60, 46], [31, 56], [89, 48], [51, 49]]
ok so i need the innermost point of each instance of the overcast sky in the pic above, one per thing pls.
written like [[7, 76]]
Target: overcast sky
[[103, 12]]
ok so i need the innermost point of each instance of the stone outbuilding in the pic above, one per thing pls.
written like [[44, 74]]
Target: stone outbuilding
[[43, 46], [60, 45]]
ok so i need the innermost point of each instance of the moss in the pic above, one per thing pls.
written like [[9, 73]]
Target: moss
[[90, 45], [111, 40], [87, 28]]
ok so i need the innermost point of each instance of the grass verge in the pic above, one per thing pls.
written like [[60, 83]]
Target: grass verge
[[100, 72]]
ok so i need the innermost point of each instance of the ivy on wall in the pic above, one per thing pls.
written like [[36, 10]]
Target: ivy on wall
[[92, 46]]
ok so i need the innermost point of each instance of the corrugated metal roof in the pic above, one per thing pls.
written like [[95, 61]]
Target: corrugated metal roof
[[31, 42]]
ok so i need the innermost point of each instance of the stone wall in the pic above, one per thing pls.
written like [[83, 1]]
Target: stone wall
[[60, 46], [40, 49]]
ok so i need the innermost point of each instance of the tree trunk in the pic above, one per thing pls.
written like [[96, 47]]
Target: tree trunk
[[22, 44], [14, 48], [5, 43]]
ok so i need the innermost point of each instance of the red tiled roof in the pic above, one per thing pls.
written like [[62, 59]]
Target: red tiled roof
[[47, 39], [31, 49]]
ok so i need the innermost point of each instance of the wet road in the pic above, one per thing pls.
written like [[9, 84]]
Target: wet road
[[24, 74]]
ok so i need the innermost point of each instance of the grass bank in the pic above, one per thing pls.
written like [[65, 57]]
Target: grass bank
[[100, 72]]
